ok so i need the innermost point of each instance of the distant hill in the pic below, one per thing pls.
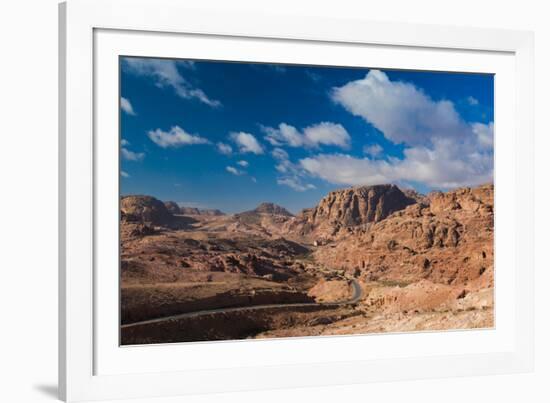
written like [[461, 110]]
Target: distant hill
[[197, 211], [272, 208]]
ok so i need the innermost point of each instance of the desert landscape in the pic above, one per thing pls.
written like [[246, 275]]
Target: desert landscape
[[365, 259]]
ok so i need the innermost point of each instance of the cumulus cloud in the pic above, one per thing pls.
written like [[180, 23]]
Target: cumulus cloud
[[284, 165], [485, 134], [165, 74], [175, 137], [234, 170], [131, 155], [447, 164], [324, 133], [441, 149], [295, 184], [279, 154], [373, 150], [126, 106], [247, 143], [291, 174], [223, 148], [242, 163], [401, 111], [124, 142]]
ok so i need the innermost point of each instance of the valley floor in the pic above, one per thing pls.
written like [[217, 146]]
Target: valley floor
[[208, 282]]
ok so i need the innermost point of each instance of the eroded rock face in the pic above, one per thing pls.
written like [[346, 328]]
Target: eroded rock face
[[360, 205], [145, 209], [449, 241], [350, 207]]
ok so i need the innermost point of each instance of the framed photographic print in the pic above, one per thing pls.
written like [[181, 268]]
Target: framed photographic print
[[247, 206]]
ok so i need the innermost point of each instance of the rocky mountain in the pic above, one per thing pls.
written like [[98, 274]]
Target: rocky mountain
[[360, 205], [198, 211], [172, 207], [350, 207], [420, 262], [146, 209], [189, 210], [447, 239], [271, 208]]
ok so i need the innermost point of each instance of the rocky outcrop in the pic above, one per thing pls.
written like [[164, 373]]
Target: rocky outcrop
[[197, 211], [271, 208], [172, 207], [342, 209], [145, 209], [189, 210], [360, 205], [448, 239]]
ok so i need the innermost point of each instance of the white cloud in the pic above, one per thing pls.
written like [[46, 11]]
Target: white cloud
[[441, 149], [324, 133], [234, 170], [327, 133], [448, 164], [124, 142], [373, 150], [472, 101], [126, 106], [485, 134], [247, 143], [285, 134], [295, 184], [401, 111], [284, 165], [279, 154], [176, 137], [165, 73], [130, 155], [291, 174], [242, 163], [124, 174], [223, 148]]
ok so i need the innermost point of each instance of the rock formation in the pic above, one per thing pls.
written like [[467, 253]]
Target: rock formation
[[350, 207], [447, 239], [271, 208], [189, 210], [145, 209], [172, 207]]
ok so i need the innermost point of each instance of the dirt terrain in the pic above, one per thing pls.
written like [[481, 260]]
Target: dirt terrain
[[364, 260]]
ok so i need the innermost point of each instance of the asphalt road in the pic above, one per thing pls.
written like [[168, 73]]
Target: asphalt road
[[356, 296]]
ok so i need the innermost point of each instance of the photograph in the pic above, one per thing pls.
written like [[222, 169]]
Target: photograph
[[262, 200]]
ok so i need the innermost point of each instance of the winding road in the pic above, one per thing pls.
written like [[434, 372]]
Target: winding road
[[356, 296]]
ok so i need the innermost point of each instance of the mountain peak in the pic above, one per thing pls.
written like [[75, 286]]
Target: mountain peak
[[360, 205], [272, 208]]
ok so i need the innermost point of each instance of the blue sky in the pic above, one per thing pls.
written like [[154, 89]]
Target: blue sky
[[231, 135]]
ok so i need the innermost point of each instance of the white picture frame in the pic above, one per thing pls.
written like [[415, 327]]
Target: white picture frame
[[92, 367]]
